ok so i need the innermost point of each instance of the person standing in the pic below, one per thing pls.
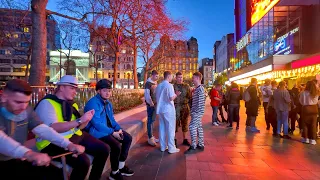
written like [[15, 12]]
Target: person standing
[[16, 119], [197, 111], [150, 99], [60, 113], [181, 104], [309, 101], [165, 96], [295, 106], [282, 102], [233, 96], [266, 93], [104, 127], [215, 103], [272, 114], [252, 104]]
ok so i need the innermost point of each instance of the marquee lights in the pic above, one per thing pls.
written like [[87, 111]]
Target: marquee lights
[[261, 8], [252, 73]]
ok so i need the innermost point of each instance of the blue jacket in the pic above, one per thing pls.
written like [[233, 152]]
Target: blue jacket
[[98, 127]]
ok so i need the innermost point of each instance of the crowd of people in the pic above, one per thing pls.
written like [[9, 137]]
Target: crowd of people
[[59, 128], [174, 104], [283, 107]]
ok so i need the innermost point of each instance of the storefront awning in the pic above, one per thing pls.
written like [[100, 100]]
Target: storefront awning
[[308, 61]]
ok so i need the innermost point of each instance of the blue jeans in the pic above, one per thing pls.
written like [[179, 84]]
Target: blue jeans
[[282, 119], [233, 113], [215, 113], [151, 118]]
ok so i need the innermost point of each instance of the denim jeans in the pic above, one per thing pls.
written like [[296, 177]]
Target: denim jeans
[[215, 113], [233, 113], [151, 118], [282, 119]]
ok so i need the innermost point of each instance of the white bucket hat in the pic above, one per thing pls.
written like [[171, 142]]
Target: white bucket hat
[[68, 80]]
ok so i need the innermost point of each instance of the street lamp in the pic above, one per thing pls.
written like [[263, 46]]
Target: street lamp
[[128, 75]]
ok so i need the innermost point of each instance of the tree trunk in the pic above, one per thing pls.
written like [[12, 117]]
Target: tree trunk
[[145, 76], [135, 58], [39, 43], [115, 69]]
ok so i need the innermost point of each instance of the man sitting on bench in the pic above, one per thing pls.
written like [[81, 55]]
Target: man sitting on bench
[[104, 127], [16, 119]]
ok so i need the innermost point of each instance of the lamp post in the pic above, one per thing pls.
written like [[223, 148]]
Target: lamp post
[[128, 75]]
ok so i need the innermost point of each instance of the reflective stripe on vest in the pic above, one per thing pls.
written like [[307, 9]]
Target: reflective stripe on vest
[[41, 144]]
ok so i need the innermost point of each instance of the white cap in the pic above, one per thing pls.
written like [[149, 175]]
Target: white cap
[[68, 80]]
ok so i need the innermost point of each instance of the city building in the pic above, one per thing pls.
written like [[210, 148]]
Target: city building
[[206, 69], [15, 40], [282, 42], [222, 54], [242, 13], [102, 57], [73, 62], [176, 55]]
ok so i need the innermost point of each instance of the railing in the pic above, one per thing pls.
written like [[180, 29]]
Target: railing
[[83, 95]]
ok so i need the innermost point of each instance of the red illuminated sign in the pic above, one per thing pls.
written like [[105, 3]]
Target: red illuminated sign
[[261, 8], [306, 62]]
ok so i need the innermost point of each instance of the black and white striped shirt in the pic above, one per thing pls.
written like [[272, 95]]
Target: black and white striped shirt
[[198, 100]]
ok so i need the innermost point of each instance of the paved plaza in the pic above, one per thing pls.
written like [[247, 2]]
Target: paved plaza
[[229, 154]]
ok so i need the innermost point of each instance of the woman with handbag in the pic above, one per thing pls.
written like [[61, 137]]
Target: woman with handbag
[[309, 113]]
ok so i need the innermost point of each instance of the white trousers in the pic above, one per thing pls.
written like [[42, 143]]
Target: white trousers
[[167, 127]]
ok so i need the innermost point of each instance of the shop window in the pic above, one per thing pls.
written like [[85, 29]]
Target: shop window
[[26, 29]]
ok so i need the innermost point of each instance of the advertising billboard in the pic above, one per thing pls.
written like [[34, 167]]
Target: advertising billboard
[[284, 44], [261, 8]]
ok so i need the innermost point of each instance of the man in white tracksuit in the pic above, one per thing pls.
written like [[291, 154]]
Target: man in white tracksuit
[[165, 96]]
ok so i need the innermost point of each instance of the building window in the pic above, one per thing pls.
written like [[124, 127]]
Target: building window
[[25, 44], [118, 75], [7, 52], [5, 69], [19, 52], [5, 61], [8, 35], [98, 43], [128, 67], [26, 29], [15, 36], [19, 61], [17, 70]]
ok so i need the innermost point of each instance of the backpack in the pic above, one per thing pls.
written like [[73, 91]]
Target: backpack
[[246, 95]]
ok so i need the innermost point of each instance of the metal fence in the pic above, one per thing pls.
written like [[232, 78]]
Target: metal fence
[[83, 95]]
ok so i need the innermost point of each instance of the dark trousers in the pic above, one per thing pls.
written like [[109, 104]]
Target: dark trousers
[[221, 113], [293, 118], [233, 114], [16, 169], [265, 106], [309, 126], [81, 164], [272, 118], [119, 149]]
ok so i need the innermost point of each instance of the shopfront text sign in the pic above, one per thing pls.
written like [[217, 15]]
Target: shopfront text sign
[[244, 41]]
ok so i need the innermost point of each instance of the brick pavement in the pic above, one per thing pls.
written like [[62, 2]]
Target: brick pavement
[[230, 154]]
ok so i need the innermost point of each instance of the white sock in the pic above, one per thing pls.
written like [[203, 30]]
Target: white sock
[[115, 172], [121, 164]]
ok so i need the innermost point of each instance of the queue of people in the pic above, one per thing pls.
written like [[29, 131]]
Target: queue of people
[[283, 108], [59, 127]]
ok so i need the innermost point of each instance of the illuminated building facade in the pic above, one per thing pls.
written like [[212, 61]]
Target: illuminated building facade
[[176, 55], [281, 32], [15, 42]]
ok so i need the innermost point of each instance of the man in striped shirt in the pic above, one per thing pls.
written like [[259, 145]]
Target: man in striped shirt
[[197, 111]]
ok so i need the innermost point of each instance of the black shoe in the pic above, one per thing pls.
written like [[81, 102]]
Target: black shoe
[[125, 171], [274, 134], [191, 150], [175, 142], [117, 176], [286, 137], [186, 142], [200, 148], [230, 126]]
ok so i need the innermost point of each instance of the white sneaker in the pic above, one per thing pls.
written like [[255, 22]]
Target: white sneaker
[[313, 142], [151, 142], [305, 140], [215, 124], [174, 151], [156, 140]]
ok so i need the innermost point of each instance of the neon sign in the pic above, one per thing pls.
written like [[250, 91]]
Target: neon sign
[[261, 8], [244, 41], [283, 45]]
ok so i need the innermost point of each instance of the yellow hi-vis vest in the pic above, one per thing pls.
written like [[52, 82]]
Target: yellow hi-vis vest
[[41, 144]]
